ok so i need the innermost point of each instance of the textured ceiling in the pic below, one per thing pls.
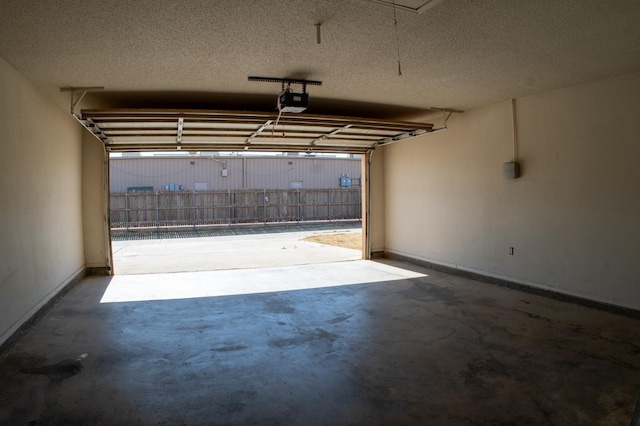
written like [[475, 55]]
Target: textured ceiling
[[198, 54]]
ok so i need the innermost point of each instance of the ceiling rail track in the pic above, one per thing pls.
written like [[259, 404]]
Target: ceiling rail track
[[215, 130]]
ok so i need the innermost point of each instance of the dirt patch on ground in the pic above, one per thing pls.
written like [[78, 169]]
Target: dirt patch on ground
[[351, 240]]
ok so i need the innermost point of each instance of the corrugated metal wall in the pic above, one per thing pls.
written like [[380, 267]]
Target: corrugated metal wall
[[206, 173]]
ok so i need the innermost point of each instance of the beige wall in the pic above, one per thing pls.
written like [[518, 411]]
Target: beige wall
[[573, 216], [377, 201], [41, 241], [97, 250]]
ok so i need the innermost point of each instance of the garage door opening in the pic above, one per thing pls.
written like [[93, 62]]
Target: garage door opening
[[204, 211], [125, 131]]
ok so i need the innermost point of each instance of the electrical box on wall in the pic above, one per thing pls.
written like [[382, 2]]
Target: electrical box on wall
[[345, 182], [511, 170], [224, 173]]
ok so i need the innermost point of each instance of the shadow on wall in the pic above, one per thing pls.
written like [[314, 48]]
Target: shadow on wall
[[245, 102]]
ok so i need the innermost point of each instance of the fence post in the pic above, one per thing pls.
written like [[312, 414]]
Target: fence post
[[264, 206], [157, 210], [229, 203], [329, 208], [298, 191], [126, 209], [193, 208]]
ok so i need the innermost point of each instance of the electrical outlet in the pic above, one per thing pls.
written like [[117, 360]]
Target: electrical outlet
[[511, 251]]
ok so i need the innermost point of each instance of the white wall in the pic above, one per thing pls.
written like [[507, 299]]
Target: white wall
[[573, 217], [41, 239]]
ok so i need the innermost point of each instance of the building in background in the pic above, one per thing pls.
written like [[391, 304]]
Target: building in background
[[214, 172]]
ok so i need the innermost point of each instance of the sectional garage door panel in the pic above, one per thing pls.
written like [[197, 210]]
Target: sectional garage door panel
[[197, 130]]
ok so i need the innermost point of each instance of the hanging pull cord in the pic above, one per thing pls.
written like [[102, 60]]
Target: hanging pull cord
[[395, 24]]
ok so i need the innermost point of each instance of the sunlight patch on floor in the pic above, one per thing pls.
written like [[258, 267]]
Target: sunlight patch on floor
[[187, 285]]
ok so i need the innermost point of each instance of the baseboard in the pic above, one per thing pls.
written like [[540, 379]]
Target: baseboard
[[98, 270], [377, 254], [619, 310], [39, 311]]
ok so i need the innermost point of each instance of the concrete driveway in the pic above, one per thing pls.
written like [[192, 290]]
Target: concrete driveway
[[226, 252]]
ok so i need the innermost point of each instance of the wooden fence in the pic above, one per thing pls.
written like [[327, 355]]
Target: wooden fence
[[199, 208]]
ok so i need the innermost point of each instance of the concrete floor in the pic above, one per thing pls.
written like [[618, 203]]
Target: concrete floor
[[385, 343], [227, 252]]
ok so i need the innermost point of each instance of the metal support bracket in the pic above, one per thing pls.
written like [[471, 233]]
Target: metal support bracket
[[446, 114], [180, 129], [288, 81], [257, 132], [83, 90], [328, 135], [87, 123], [404, 136]]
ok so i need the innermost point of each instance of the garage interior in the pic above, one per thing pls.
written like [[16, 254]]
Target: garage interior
[[501, 213]]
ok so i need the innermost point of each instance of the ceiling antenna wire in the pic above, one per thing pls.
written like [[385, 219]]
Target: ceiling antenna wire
[[395, 24]]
